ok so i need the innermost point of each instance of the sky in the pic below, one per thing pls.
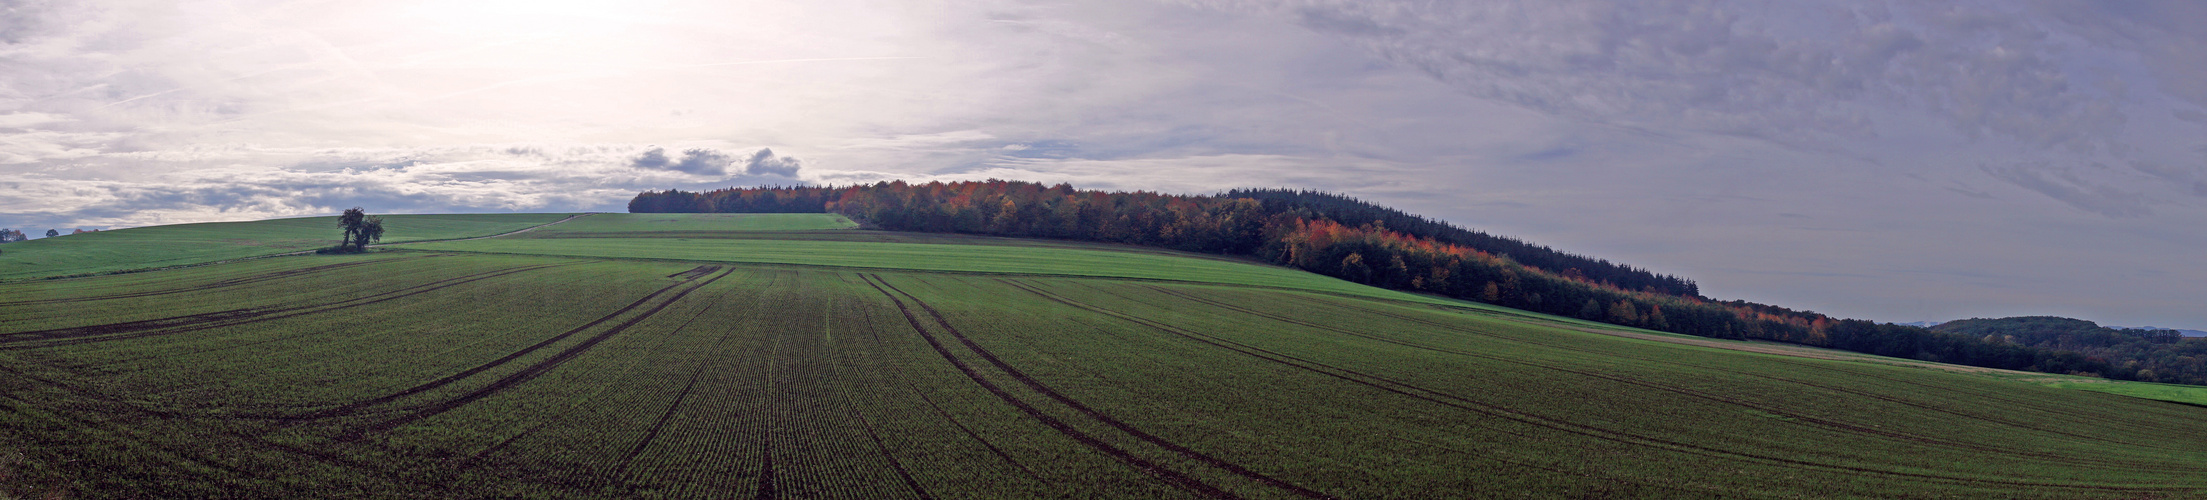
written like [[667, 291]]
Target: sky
[[1897, 161]]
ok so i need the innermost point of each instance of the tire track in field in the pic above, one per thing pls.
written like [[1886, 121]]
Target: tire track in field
[[845, 388], [476, 458], [355, 407], [1084, 409], [216, 285], [136, 409], [1520, 416], [892, 371], [1560, 471], [699, 373], [2007, 400], [977, 437], [883, 447], [205, 321], [532, 371], [1461, 329], [1175, 478], [1091, 412], [1853, 428], [1794, 360]]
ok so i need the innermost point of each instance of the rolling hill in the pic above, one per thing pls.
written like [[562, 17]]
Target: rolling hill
[[788, 355]]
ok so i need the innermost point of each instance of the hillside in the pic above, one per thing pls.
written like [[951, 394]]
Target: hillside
[[2152, 355], [1371, 245], [765, 356], [185, 244]]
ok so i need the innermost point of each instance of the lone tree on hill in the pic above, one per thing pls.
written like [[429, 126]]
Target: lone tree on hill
[[53, 232], [360, 230]]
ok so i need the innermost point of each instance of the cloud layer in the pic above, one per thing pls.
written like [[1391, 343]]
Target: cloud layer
[[1888, 159]]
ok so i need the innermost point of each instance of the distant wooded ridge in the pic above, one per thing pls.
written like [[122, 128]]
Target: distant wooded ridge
[[1357, 241]]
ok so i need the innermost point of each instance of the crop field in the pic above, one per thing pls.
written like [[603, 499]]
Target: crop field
[[183, 244], [737, 241], [2187, 394], [651, 367]]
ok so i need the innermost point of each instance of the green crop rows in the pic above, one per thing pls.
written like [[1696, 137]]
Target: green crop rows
[[676, 371]]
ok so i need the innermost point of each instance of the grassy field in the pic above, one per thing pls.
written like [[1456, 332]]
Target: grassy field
[[698, 223], [666, 369], [2187, 394], [185, 244]]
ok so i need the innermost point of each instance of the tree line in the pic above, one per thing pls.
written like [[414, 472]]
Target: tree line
[[2141, 354], [1356, 241]]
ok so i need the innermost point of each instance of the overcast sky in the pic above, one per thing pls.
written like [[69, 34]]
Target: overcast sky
[[1901, 161]]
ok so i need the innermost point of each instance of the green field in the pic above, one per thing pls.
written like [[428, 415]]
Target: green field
[[186, 244], [697, 223], [2187, 394], [759, 358]]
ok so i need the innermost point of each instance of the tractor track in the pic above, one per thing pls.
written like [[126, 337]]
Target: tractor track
[[183, 452], [1558, 470], [882, 447], [1173, 477], [355, 407], [227, 283], [205, 321], [1106, 419], [1853, 428], [977, 437], [532, 371], [1492, 410], [1903, 402], [653, 434]]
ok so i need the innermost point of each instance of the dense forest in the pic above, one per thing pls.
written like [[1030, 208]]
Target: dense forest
[[1356, 241]]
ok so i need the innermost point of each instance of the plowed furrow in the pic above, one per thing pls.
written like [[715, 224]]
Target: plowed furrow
[[1496, 411], [1173, 477]]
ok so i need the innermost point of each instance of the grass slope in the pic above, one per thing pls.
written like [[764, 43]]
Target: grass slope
[[185, 244], [435, 373]]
